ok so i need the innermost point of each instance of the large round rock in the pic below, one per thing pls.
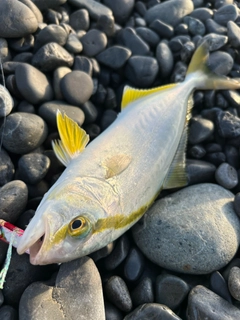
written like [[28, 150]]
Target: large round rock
[[24, 132], [194, 230]]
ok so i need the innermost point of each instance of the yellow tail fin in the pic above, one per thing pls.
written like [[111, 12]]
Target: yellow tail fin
[[205, 78]]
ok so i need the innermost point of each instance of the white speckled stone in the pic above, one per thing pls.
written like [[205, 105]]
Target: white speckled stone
[[194, 230]]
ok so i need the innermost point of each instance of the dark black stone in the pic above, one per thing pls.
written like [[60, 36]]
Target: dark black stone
[[84, 64], [199, 171], [22, 44], [107, 118], [129, 38], [165, 59], [134, 265], [114, 57], [148, 35], [112, 313], [51, 33], [226, 13], [90, 112], [141, 71], [121, 9], [228, 125], [197, 151], [152, 311], [117, 293], [94, 41], [226, 176], [93, 130], [6, 168], [232, 156], [106, 25], [200, 130], [79, 20], [162, 29], [219, 286], [119, 253], [214, 27], [8, 313], [216, 158], [143, 292]]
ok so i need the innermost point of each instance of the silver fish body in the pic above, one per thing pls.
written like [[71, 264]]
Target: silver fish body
[[107, 188]]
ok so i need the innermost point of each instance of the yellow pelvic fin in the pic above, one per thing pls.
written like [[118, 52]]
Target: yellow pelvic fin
[[131, 94], [73, 139], [116, 164], [206, 79]]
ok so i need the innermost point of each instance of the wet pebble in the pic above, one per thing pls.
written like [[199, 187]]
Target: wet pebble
[[23, 132], [234, 282], [33, 167], [226, 176], [200, 130], [219, 286], [51, 56], [171, 290], [6, 168], [167, 220], [117, 293], [49, 109], [20, 22], [143, 292], [225, 14], [65, 299], [170, 12], [76, 87], [141, 71], [13, 200], [33, 91], [205, 302], [152, 311], [114, 57]]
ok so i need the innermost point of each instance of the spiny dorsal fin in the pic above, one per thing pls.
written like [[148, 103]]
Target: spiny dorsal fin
[[116, 164], [73, 139], [131, 94]]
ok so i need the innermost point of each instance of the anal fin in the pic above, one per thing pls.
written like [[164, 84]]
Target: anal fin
[[177, 176]]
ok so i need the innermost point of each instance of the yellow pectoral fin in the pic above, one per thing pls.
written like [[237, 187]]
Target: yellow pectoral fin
[[131, 94], [116, 164], [73, 139]]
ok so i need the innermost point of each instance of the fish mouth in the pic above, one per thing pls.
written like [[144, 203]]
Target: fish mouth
[[33, 240]]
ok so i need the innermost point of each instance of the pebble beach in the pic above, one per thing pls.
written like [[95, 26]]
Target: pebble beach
[[181, 260]]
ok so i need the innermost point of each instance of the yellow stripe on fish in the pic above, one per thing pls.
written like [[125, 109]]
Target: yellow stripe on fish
[[109, 184]]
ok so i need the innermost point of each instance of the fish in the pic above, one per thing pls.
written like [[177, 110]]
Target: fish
[[109, 183]]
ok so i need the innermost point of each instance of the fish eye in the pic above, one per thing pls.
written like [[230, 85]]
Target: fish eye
[[79, 226]]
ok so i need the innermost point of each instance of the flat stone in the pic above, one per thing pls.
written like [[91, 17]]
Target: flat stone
[[129, 39], [211, 306], [79, 20], [24, 132], [170, 12], [17, 20], [51, 33], [199, 171], [226, 176], [234, 283], [219, 286], [220, 62], [148, 35], [214, 27], [215, 41], [200, 130], [202, 14], [227, 124], [195, 230], [225, 14], [45, 4], [143, 292], [233, 34], [33, 84]]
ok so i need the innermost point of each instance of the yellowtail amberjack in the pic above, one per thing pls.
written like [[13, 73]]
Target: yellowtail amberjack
[[107, 186]]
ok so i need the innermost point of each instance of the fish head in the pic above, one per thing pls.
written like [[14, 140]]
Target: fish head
[[66, 225]]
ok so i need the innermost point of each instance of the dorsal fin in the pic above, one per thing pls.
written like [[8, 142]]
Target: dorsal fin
[[73, 139], [131, 94]]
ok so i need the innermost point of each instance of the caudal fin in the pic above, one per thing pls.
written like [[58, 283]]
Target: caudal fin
[[204, 77]]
